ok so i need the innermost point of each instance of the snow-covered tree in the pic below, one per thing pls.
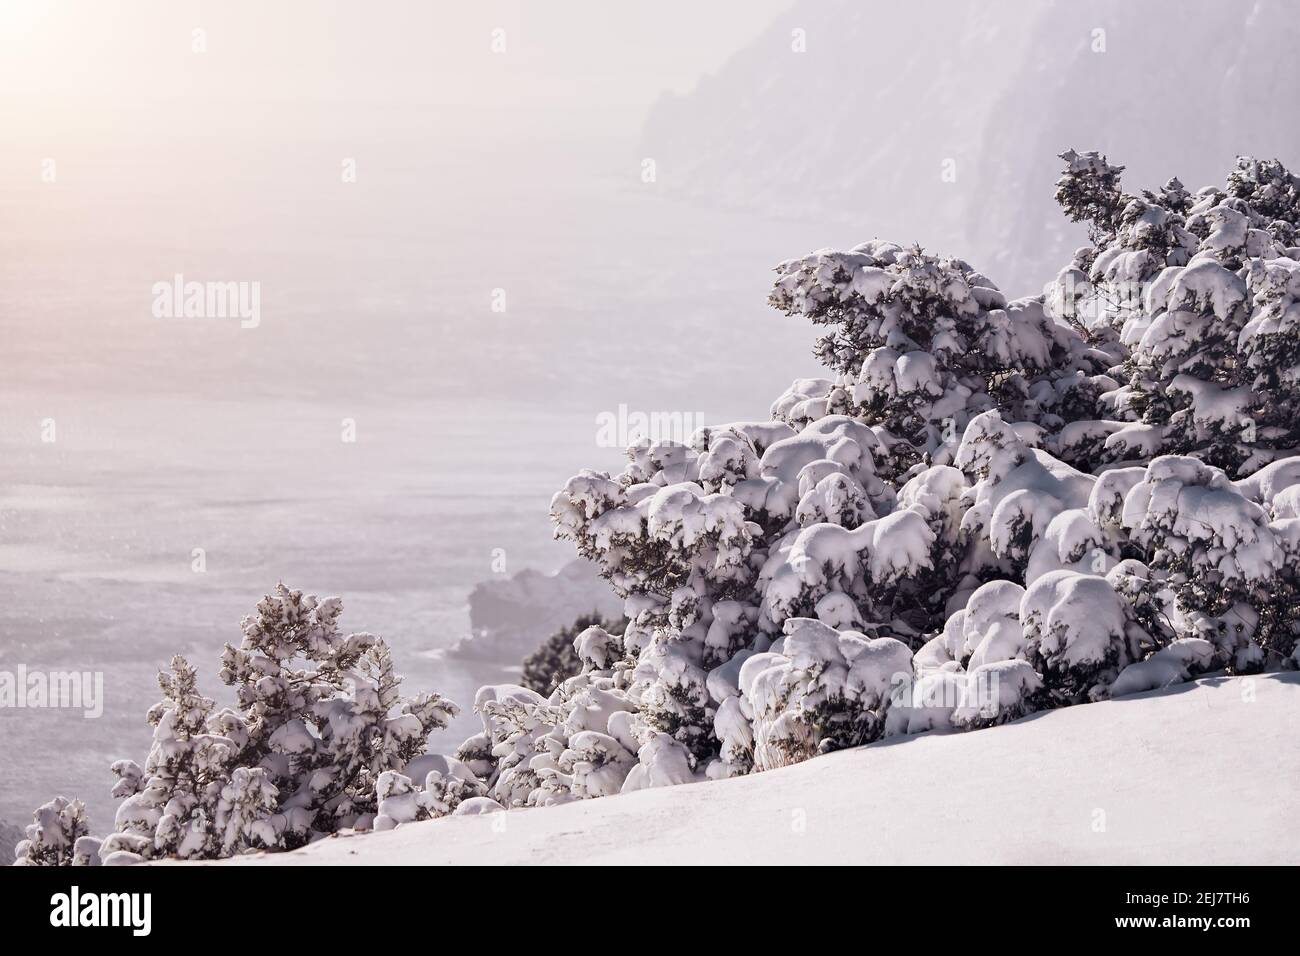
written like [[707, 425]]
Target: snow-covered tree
[[922, 344], [672, 547], [1213, 546], [1075, 632], [59, 835], [169, 806], [1089, 191], [999, 692], [579, 742], [952, 485], [318, 721], [1194, 297], [1134, 238], [967, 520], [1272, 193]]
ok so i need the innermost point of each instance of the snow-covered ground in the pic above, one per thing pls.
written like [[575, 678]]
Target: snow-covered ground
[[1199, 773]]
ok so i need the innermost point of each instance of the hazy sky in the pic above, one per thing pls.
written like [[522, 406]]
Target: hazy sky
[[86, 62]]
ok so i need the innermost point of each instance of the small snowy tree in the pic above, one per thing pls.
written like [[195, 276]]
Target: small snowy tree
[[169, 807], [319, 720], [59, 835], [579, 742], [1089, 191]]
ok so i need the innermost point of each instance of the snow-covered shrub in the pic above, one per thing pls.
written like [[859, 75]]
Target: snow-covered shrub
[[999, 685], [579, 742], [59, 835], [1089, 191], [555, 661], [1172, 664], [1017, 491], [818, 690], [998, 692], [514, 718], [671, 548], [990, 625], [1270, 191], [1269, 348], [430, 786], [1150, 603], [1278, 631], [921, 345], [683, 533], [1075, 633], [1194, 297], [1134, 238], [319, 720], [1175, 384], [1214, 548]]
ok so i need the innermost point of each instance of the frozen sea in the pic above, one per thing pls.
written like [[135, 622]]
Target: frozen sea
[[173, 434]]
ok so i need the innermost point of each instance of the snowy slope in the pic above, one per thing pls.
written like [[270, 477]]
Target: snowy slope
[[1199, 773]]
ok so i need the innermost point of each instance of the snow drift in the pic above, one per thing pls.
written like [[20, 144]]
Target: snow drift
[[1198, 774]]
